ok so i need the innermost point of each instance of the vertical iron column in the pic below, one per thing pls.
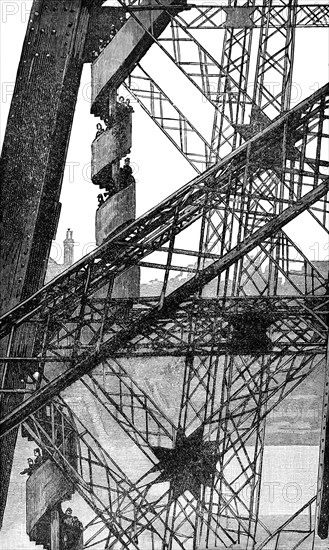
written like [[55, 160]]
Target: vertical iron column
[[32, 166], [323, 473]]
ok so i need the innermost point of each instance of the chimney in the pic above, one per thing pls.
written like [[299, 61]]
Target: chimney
[[68, 248]]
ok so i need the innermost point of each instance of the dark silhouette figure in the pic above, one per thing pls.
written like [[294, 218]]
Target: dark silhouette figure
[[100, 130], [121, 103], [38, 460], [30, 469], [71, 530], [100, 199], [128, 106], [126, 174]]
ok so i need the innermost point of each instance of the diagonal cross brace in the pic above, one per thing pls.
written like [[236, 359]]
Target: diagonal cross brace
[[170, 304], [144, 235]]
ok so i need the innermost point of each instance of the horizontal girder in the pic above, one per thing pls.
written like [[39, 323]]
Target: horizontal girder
[[210, 16], [298, 324]]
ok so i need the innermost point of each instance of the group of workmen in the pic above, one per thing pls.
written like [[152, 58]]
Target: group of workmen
[[122, 109], [125, 178], [103, 43], [71, 529], [33, 465]]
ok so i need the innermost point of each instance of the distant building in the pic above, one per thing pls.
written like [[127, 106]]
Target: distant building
[[53, 268]]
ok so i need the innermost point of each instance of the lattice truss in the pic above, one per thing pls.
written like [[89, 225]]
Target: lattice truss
[[247, 314]]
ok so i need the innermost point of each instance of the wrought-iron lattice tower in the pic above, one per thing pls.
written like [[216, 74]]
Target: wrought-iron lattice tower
[[245, 339]]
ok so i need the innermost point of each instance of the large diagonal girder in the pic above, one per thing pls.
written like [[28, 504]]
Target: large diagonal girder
[[189, 283], [198, 189], [85, 363], [153, 229]]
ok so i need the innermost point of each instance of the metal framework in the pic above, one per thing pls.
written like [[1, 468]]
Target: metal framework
[[260, 166]]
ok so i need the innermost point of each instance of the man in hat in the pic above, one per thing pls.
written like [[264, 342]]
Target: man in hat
[[38, 460], [126, 174], [30, 468]]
